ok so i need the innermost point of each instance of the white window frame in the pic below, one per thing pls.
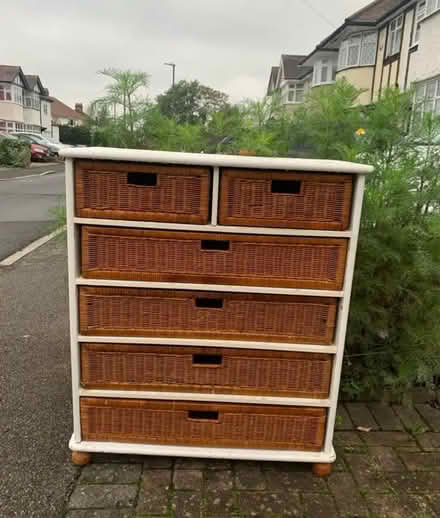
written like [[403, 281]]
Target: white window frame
[[45, 110], [20, 127], [395, 35], [319, 66], [296, 92], [7, 91], [424, 104], [346, 45]]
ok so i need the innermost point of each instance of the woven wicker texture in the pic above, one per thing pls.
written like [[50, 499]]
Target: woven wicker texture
[[115, 190], [172, 422], [205, 369], [142, 312], [117, 253], [321, 202]]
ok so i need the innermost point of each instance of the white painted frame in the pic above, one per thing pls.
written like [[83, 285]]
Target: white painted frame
[[327, 455]]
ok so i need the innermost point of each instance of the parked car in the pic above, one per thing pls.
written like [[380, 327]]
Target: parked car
[[39, 153], [33, 138]]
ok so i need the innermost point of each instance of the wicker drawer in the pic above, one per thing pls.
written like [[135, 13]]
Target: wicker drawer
[[203, 424], [205, 369], [291, 200], [149, 255], [105, 189], [191, 314]]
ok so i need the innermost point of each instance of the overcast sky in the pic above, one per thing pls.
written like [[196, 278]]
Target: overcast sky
[[229, 45]]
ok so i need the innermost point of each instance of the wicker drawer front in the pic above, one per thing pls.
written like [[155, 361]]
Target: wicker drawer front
[[292, 200], [189, 314], [205, 369], [105, 189], [291, 262], [204, 424]]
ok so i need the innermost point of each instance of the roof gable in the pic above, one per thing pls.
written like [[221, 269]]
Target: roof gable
[[291, 65], [376, 11], [33, 81], [62, 111], [9, 72]]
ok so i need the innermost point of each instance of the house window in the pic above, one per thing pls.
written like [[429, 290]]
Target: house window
[[2, 125], [45, 108], [324, 72], [424, 9], [296, 93], [19, 127], [18, 95], [359, 49], [395, 36], [427, 98], [5, 93]]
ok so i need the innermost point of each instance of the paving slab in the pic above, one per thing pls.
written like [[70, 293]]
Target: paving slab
[[187, 504], [411, 419], [431, 416], [343, 419], [366, 471], [361, 416], [386, 417], [102, 496], [188, 479], [111, 474], [415, 482], [421, 461], [349, 499], [429, 441], [270, 505], [154, 492], [399, 506], [317, 505]]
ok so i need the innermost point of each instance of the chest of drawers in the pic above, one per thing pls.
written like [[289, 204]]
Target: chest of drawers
[[209, 298]]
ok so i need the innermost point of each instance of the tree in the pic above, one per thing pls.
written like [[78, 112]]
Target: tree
[[125, 93], [191, 102]]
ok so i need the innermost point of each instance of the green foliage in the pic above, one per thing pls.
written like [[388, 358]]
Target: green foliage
[[14, 153], [75, 135], [325, 125], [190, 102]]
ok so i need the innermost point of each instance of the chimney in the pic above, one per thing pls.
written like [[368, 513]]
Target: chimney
[[79, 107]]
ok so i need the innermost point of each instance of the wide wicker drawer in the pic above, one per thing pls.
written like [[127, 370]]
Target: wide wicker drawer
[[205, 369], [192, 314], [202, 424], [291, 200], [125, 190], [149, 255]]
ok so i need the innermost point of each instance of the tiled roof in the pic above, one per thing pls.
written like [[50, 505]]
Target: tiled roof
[[62, 111], [291, 67], [377, 10], [272, 79], [8, 72]]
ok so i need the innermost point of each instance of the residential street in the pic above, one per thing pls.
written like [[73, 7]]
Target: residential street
[[25, 203]]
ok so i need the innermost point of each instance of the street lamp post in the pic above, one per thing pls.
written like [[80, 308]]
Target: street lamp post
[[173, 65]]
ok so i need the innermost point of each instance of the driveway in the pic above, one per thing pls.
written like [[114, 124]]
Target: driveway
[[25, 203]]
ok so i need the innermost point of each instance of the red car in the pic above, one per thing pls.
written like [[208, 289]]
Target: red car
[[39, 153]]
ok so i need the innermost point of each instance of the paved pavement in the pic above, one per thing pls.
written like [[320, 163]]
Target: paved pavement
[[390, 471], [25, 203], [36, 168]]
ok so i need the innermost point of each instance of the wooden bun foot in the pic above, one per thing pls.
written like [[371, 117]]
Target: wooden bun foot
[[80, 458], [322, 470]]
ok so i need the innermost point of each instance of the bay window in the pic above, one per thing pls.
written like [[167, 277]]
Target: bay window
[[296, 93], [424, 9], [5, 93], [359, 49], [324, 72], [395, 36], [427, 98]]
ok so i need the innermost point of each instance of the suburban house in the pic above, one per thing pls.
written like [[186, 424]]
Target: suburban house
[[25, 105], [387, 43], [63, 115]]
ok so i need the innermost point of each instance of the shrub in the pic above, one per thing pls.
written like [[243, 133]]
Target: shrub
[[393, 333], [14, 153]]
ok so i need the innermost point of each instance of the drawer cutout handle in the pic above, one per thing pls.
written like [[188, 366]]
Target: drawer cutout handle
[[213, 244], [142, 179], [208, 360], [209, 303], [203, 415], [286, 186]]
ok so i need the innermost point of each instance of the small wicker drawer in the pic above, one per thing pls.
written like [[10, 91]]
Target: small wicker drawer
[[115, 190], [192, 314], [202, 424], [205, 369], [291, 200], [149, 255]]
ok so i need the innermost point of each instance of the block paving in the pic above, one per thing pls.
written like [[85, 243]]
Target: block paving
[[391, 471]]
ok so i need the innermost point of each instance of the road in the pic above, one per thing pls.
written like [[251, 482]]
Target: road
[[25, 203]]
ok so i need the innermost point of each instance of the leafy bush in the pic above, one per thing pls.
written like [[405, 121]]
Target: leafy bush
[[394, 325], [14, 153], [75, 135]]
